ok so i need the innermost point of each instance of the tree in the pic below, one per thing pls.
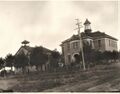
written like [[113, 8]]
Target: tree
[[89, 54], [106, 56], [38, 57], [1, 62], [54, 60], [115, 55], [119, 55], [21, 61], [9, 60]]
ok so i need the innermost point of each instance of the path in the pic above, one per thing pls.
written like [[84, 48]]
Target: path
[[6, 83]]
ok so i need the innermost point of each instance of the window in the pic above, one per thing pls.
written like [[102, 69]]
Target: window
[[69, 58], [75, 45], [113, 44], [99, 43], [68, 46]]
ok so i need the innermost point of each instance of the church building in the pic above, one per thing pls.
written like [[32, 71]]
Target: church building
[[27, 50], [98, 41]]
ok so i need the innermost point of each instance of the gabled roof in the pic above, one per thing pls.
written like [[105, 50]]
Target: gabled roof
[[30, 49], [93, 35], [46, 50], [76, 37], [99, 34]]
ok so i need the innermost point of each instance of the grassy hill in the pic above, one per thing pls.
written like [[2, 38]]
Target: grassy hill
[[99, 78]]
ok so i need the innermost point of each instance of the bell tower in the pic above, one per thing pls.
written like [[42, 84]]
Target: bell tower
[[87, 27], [25, 42]]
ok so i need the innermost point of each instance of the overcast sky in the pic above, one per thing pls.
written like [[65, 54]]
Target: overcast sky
[[51, 22]]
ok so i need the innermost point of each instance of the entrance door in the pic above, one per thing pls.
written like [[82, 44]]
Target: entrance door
[[77, 58]]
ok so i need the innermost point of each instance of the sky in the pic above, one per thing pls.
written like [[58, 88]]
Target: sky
[[48, 23]]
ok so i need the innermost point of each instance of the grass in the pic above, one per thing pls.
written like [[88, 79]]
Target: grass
[[73, 81], [37, 86]]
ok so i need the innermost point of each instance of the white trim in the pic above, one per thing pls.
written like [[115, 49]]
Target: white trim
[[74, 41]]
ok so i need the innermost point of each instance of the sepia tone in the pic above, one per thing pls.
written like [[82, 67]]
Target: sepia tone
[[59, 46]]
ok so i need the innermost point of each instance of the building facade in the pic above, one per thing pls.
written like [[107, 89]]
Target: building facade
[[98, 40], [26, 50]]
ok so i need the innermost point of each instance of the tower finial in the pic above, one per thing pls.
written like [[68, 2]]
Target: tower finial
[[87, 22]]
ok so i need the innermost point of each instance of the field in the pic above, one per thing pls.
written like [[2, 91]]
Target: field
[[101, 78]]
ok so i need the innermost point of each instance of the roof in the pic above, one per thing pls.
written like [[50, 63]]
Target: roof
[[93, 35], [99, 34], [87, 22], [30, 49], [76, 37]]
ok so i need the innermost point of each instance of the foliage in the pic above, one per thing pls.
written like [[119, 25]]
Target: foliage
[[89, 54], [115, 55], [54, 59], [9, 60], [94, 57], [2, 63], [38, 57], [21, 61]]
